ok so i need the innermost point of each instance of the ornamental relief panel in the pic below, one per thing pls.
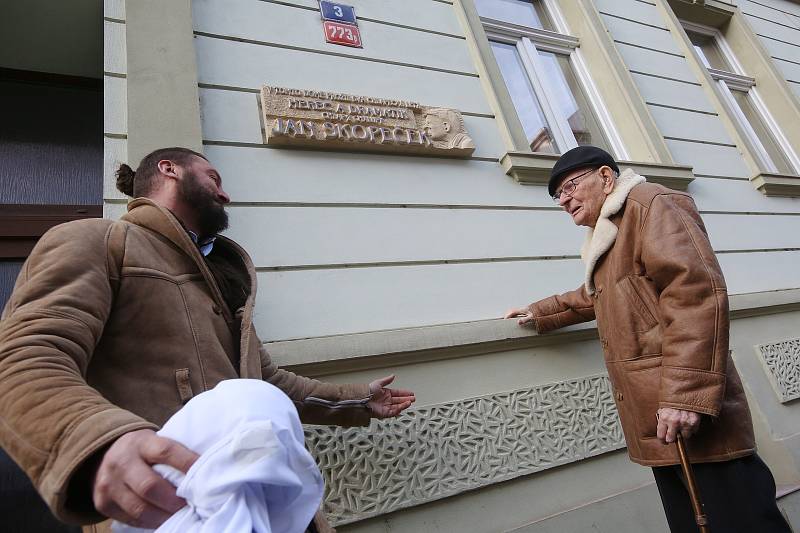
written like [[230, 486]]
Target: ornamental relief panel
[[781, 361], [442, 450]]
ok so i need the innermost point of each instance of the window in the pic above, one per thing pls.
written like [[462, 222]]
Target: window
[[740, 96], [542, 69]]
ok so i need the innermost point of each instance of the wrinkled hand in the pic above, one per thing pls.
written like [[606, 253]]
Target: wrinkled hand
[[526, 317], [386, 403], [127, 489], [671, 421]]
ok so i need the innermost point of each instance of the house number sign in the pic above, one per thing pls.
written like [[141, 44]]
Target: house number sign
[[340, 24]]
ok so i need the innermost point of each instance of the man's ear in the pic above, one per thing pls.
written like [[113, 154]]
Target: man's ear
[[168, 168], [609, 180]]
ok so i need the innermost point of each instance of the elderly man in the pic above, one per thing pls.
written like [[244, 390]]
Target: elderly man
[[113, 326], [658, 294]]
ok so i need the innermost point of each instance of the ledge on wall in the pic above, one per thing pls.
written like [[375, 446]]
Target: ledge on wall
[[777, 184], [713, 13], [318, 356], [534, 169]]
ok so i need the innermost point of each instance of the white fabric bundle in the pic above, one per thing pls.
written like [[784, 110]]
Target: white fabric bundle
[[253, 474]]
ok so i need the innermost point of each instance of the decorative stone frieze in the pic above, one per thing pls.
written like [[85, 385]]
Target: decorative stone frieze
[[782, 363], [442, 450]]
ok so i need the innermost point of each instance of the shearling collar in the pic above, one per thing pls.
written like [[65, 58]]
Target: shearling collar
[[600, 238]]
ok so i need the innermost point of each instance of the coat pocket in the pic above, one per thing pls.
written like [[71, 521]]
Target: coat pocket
[[643, 384], [631, 289], [184, 385]]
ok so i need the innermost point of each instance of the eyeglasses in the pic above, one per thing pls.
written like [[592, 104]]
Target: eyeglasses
[[569, 187]]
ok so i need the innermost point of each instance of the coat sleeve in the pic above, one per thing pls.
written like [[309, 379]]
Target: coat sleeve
[[562, 310], [692, 302], [52, 422], [319, 402]]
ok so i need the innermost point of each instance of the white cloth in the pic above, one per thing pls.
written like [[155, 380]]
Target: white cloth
[[253, 474]]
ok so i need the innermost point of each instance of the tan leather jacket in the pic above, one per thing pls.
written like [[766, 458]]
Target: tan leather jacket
[[144, 351], [662, 314]]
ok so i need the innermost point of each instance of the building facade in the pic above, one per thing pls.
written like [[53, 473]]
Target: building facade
[[372, 263]]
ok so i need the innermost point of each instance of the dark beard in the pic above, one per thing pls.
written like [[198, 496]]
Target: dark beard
[[211, 215]]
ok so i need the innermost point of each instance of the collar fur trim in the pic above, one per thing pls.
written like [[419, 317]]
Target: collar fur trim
[[600, 238]]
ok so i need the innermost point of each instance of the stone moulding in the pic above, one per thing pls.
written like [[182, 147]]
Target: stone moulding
[[781, 362], [777, 184], [445, 449], [534, 169]]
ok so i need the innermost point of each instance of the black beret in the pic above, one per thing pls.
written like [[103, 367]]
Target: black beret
[[579, 157]]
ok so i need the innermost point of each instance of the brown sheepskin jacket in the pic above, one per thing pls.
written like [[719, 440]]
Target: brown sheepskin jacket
[[112, 327], [659, 297]]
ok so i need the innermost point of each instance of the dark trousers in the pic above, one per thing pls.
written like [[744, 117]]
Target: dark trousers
[[737, 495]]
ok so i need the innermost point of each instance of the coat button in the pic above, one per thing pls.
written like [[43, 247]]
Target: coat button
[[216, 309], [599, 289], [619, 396]]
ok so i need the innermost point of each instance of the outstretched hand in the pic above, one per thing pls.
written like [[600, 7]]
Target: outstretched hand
[[386, 403], [523, 313]]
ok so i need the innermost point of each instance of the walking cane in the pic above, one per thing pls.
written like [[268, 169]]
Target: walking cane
[[694, 495]]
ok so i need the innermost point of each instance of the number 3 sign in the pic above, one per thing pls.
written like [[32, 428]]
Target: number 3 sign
[[339, 23]]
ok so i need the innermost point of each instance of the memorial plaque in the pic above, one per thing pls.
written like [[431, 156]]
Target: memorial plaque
[[330, 120]]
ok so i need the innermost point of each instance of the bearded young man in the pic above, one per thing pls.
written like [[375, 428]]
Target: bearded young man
[[113, 326], [658, 294]]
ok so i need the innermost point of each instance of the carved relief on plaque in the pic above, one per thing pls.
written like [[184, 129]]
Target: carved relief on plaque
[[299, 117]]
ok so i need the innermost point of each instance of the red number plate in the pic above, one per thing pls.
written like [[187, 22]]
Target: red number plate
[[344, 34]]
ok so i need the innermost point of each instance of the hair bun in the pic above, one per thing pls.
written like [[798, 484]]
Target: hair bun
[[125, 176]]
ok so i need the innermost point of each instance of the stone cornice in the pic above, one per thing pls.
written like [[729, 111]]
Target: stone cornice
[[534, 169], [777, 184]]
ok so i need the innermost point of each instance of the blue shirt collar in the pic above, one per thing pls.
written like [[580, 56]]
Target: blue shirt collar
[[206, 245]]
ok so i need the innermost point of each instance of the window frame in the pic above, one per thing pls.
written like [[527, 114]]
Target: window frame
[[528, 41], [737, 80]]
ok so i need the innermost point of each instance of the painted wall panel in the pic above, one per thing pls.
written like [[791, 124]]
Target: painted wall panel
[[233, 116], [291, 236], [690, 125], [650, 62], [763, 271], [737, 195], [247, 65], [635, 33], [785, 6], [114, 9], [760, 9], [632, 9], [277, 175], [115, 105], [791, 71], [754, 232], [439, 16], [115, 152], [673, 93], [114, 56], [709, 159], [436, 294], [281, 175], [396, 297], [267, 22], [781, 49], [781, 28]]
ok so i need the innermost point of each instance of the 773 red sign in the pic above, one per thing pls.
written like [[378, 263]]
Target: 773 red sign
[[338, 33]]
